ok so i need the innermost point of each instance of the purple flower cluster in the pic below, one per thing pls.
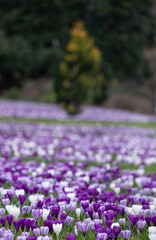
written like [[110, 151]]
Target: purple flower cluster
[[86, 195], [79, 143], [34, 110], [110, 203]]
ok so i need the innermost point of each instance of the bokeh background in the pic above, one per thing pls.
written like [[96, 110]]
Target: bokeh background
[[36, 39]]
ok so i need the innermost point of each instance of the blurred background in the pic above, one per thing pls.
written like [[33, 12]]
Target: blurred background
[[51, 49]]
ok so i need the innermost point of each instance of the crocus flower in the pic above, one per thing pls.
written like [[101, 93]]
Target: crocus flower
[[57, 229], [154, 220], [55, 210], [22, 223], [19, 192], [116, 231], [8, 235], [70, 236], [22, 199], [152, 229], [141, 224], [69, 220], [2, 212], [6, 201], [36, 231], [9, 219], [32, 198], [16, 224], [136, 209], [26, 209], [3, 221], [37, 213], [63, 215], [44, 231], [101, 236], [122, 221], [152, 236], [21, 238], [49, 225], [45, 213], [28, 223], [13, 210], [126, 234], [78, 211]]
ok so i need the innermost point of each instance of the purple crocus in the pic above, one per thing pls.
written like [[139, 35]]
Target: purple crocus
[[141, 224], [69, 220], [3, 221], [82, 227], [122, 221], [96, 205], [126, 234], [70, 236], [55, 210], [36, 232], [8, 235], [28, 223], [116, 231], [101, 236], [9, 219], [63, 215], [16, 225], [84, 205], [148, 220], [90, 212], [2, 212], [154, 220], [22, 199], [44, 230], [37, 213], [49, 224]]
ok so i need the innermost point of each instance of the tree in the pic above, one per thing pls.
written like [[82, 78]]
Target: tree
[[80, 69]]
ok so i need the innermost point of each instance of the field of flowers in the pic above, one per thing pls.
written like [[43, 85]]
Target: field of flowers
[[31, 110], [74, 181]]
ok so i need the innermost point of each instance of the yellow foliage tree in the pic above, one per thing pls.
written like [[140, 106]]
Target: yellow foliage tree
[[80, 69]]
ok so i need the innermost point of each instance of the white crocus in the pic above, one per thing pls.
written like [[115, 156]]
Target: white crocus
[[112, 186], [40, 197], [45, 184], [154, 200], [34, 174], [45, 213], [152, 230], [117, 190], [152, 236], [78, 211], [71, 196], [32, 198], [13, 210], [152, 207], [99, 190], [19, 192], [115, 225], [57, 229], [75, 230], [136, 209]]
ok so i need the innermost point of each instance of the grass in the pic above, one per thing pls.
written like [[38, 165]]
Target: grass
[[68, 122], [128, 166], [150, 169]]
